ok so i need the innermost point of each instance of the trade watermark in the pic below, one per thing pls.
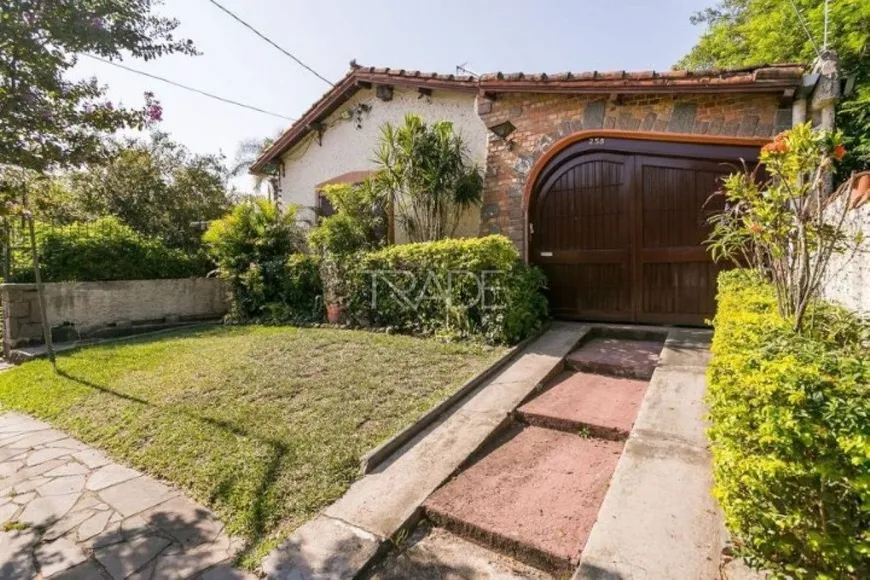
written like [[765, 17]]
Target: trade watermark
[[455, 288]]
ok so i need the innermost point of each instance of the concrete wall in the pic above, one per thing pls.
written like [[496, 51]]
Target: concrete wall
[[82, 309], [349, 144], [848, 280]]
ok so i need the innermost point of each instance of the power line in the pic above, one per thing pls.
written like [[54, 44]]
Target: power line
[[185, 87], [269, 40], [806, 29]]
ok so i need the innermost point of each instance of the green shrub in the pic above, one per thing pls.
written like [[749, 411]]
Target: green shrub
[[359, 223], [257, 250], [104, 250], [790, 427], [470, 288]]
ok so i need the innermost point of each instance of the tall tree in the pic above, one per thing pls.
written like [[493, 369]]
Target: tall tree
[[425, 172], [49, 121], [157, 187], [750, 32]]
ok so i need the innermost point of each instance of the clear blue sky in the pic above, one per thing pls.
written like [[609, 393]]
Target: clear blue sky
[[432, 35]]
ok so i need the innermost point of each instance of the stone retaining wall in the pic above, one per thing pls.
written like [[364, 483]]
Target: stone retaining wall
[[85, 309]]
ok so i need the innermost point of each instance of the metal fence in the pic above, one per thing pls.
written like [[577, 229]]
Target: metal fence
[[16, 261]]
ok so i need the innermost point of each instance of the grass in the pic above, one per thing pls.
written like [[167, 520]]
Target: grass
[[265, 425]]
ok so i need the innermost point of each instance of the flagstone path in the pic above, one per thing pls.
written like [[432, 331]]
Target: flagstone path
[[68, 512]]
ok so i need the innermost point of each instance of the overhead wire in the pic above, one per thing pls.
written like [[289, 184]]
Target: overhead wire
[[186, 87], [273, 43], [806, 28]]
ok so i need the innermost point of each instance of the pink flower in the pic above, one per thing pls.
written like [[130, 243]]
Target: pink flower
[[153, 109]]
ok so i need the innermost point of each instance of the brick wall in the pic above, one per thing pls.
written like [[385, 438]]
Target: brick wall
[[541, 119]]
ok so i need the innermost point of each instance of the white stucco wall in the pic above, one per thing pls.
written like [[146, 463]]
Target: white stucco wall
[[848, 282], [345, 148]]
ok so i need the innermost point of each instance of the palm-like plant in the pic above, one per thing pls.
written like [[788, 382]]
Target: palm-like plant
[[246, 154], [426, 174]]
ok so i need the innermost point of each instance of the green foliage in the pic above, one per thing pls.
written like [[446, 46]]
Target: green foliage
[[157, 187], [358, 224], [788, 226], [49, 121], [751, 32], [426, 174], [790, 427], [257, 250], [104, 250], [49, 198], [470, 288]]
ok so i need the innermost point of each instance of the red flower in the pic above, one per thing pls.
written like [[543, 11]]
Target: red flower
[[839, 152], [776, 146], [755, 228]]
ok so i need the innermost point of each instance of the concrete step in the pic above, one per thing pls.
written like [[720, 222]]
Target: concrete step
[[534, 496], [433, 553], [616, 356], [598, 405]]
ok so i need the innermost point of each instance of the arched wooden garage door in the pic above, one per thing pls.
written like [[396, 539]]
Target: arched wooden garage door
[[618, 226]]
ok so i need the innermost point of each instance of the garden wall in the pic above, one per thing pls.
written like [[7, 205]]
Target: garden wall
[[87, 309], [849, 274]]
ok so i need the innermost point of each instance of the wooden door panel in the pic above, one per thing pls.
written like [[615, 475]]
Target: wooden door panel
[[619, 229], [677, 278], [583, 238]]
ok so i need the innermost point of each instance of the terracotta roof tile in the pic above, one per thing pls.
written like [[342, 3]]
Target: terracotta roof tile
[[758, 78]]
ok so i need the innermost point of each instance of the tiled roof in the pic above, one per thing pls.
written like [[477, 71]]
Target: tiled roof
[[761, 77], [758, 78]]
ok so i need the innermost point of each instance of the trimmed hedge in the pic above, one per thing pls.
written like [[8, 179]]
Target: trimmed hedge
[[104, 250], [790, 427], [457, 288]]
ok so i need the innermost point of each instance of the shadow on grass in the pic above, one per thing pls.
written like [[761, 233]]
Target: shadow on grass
[[278, 450]]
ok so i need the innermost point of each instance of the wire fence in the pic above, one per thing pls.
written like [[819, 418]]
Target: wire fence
[[16, 261]]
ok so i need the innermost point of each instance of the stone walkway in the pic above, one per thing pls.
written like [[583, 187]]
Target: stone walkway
[[68, 512]]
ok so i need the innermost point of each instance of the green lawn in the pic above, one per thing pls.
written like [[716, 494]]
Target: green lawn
[[265, 425]]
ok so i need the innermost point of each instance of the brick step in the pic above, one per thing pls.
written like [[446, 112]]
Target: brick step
[[533, 496], [615, 356], [600, 406]]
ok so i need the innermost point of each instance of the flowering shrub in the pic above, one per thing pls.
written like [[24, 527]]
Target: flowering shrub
[[787, 225]]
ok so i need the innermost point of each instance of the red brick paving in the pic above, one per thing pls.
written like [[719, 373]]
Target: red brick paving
[[617, 356], [607, 405], [535, 496]]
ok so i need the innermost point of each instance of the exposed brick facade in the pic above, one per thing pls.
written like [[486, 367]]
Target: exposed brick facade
[[542, 119]]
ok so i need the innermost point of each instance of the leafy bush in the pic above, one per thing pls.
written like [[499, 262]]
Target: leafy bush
[[104, 250], [358, 224], [790, 427], [471, 288], [787, 225], [257, 250]]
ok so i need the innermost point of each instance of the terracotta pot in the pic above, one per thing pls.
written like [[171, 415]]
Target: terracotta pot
[[334, 313], [861, 191]]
